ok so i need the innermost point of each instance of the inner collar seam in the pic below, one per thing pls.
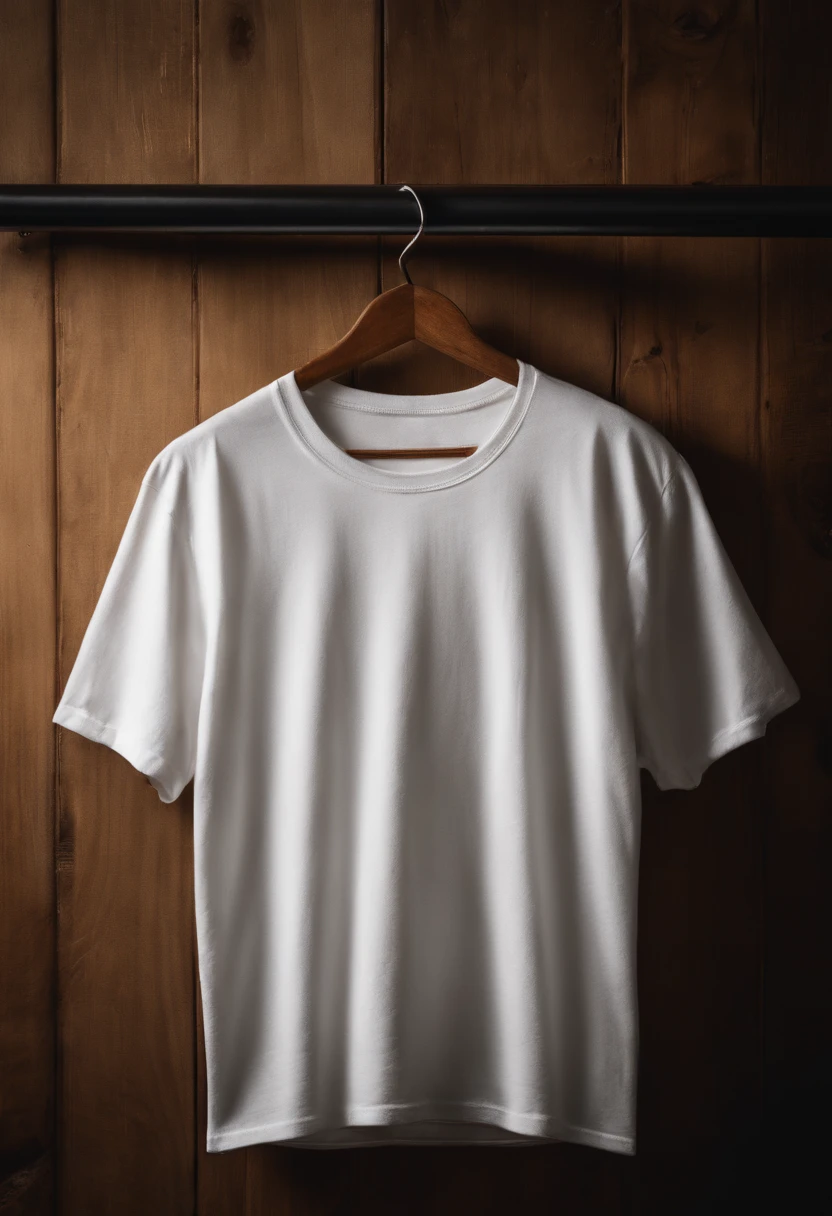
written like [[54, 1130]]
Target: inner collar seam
[[344, 403], [405, 489]]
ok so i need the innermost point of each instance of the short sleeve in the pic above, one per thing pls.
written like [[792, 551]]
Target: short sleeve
[[137, 678], [706, 674]]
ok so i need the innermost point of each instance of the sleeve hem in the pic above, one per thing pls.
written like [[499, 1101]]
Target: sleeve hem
[[729, 738], [143, 759]]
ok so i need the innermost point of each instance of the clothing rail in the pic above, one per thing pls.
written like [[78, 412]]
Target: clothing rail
[[449, 211]]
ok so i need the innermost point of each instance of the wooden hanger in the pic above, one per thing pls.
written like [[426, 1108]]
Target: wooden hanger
[[401, 315]]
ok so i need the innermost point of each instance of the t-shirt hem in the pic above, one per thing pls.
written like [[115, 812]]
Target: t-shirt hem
[[142, 758], [537, 1126]]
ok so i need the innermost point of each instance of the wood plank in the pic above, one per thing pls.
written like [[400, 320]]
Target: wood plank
[[27, 636], [485, 113], [125, 859], [288, 93], [473, 94], [497, 94], [125, 356], [490, 93], [126, 91], [797, 449], [689, 366]]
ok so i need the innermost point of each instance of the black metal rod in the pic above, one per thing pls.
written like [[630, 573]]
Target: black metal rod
[[459, 211]]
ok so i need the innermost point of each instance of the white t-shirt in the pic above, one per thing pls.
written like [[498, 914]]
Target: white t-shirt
[[414, 697]]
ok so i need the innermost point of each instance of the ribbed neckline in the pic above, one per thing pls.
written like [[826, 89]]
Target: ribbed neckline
[[290, 404]]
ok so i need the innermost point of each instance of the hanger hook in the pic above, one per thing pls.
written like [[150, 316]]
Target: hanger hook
[[410, 244]]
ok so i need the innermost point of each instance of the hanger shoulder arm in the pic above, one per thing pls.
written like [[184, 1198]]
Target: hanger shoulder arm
[[439, 323], [385, 323]]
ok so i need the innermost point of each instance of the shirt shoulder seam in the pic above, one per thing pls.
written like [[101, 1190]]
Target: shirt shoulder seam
[[668, 485], [146, 481]]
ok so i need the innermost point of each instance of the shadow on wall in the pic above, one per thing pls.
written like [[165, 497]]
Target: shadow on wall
[[774, 1156]]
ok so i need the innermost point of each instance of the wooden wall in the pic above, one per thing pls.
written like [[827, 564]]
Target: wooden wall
[[110, 348]]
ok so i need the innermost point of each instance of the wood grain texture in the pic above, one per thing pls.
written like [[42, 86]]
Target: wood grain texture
[[796, 360], [126, 371], [479, 91], [691, 79], [473, 94], [27, 102], [126, 91], [125, 876], [724, 345], [288, 93], [27, 633], [689, 366], [404, 314], [489, 93]]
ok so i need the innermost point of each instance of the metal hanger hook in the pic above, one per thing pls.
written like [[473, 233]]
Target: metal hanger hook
[[410, 244]]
